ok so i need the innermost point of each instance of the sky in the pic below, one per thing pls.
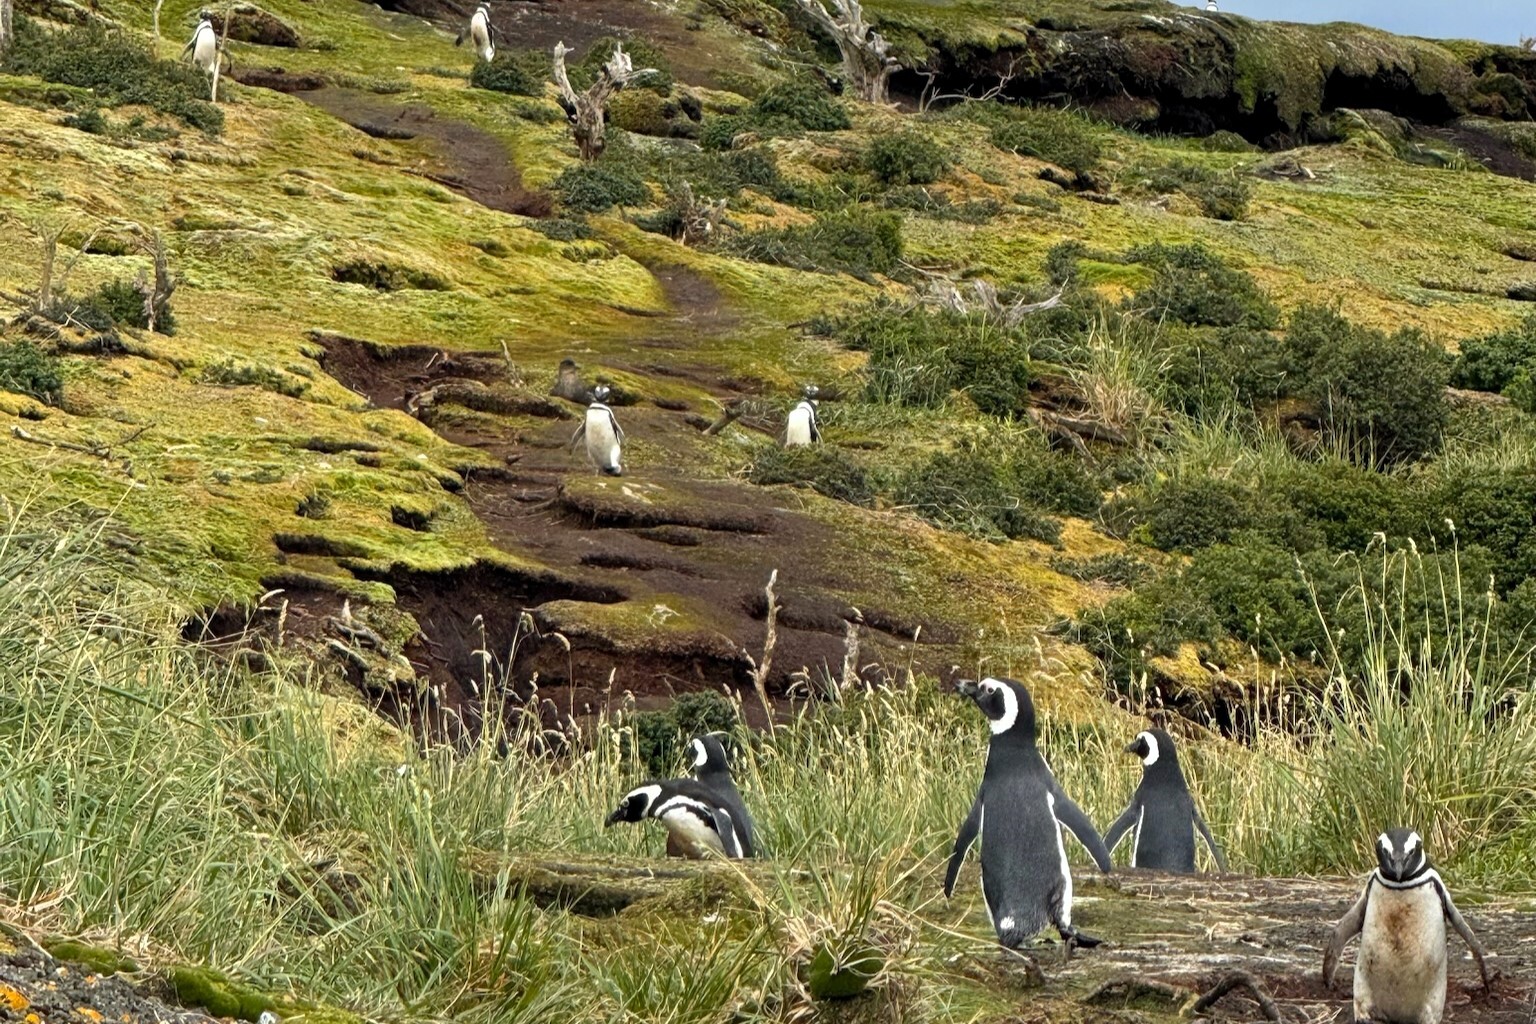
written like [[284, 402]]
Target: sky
[[1496, 21]]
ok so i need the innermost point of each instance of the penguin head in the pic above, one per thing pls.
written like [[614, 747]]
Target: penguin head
[[1153, 746], [204, 15], [1006, 704], [1400, 854], [634, 805], [811, 391], [707, 754], [601, 393]]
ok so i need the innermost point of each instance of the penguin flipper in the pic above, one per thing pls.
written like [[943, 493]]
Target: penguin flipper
[[581, 432], [1210, 840], [970, 828], [459, 41], [1072, 816], [1348, 927], [725, 828], [1121, 826], [1460, 924]]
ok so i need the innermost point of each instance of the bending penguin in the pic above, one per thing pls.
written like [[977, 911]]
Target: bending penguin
[[1400, 918], [481, 33], [602, 434], [204, 47], [1162, 812], [1018, 814], [802, 428], [697, 823], [713, 772]]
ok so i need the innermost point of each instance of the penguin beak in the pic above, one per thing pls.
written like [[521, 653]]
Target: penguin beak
[[614, 818], [967, 688], [1134, 747]]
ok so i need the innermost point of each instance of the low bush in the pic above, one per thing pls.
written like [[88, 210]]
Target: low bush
[[856, 241], [388, 277], [1117, 570], [1211, 373], [1493, 361], [786, 109], [230, 373], [516, 72], [27, 370], [642, 53], [823, 468], [600, 186], [1195, 286], [1056, 136], [906, 158], [1191, 514], [661, 736], [1220, 195], [920, 200], [119, 68]]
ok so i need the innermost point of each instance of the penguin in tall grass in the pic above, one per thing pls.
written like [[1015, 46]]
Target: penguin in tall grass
[[1163, 813], [204, 47], [602, 434], [480, 33], [1018, 816], [802, 428], [1400, 918], [713, 771], [696, 821]]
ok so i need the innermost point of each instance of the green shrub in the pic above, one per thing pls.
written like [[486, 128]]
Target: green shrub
[[595, 187], [644, 54], [1195, 286], [230, 373], [27, 370], [1381, 395], [660, 736], [1495, 512], [823, 468], [804, 104], [939, 206], [125, 305], [562, 230], [516, 72], [856, 241], [1056, 136], [1117, 570], [117, 67], [1492, 362], [92, 122], [388, 277], [1191, 514], [640, 111], [1223, 196], [1210, 373], [906, 158]]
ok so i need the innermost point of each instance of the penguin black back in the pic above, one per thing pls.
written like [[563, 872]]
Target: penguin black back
[[1018, 814], [1162, 816], [695, 819], [713, 771]]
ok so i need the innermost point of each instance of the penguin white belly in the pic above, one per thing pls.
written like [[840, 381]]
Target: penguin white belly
[[799, 430], [602, 442], [205, 49], [691, 833], [1400, 971], [480, 35]]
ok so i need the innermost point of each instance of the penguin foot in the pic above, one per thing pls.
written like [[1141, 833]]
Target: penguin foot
[[1074, 939]]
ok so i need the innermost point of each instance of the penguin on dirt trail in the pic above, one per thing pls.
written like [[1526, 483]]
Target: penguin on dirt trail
[[602, 434], [480, 33], [697, 824], [713, 772], [1400, 918], [1018, 815], [801, 428], [1162, 812], [204, 47]]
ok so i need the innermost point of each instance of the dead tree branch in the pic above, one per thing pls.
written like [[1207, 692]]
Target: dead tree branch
[[158, 4], [157, 296], [729, 414], [1235, 980], [586, 110], [5, 24], [929, 97], [218, 55], [771, 640], [867, 60]]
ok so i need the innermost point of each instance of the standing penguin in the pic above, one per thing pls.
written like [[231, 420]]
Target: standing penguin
[[204, 47], [602, 433], [802, 429], [1400, 918], [1025, 879], [697, 824], [1162, 811], [713, 771], [481, 33]]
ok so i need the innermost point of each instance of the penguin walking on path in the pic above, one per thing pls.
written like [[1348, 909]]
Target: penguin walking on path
[[481, 33], [802, 428], [697, 823], [1018, 815], [204, 47], [713, 772], [602, 434], [1400, 918], [1162, 812]]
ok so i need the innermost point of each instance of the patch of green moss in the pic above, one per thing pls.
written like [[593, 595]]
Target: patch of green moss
[[97, 959]]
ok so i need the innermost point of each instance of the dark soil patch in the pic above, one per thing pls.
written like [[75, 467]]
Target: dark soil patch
[[1494, 153], [278, 79], [472, 162]]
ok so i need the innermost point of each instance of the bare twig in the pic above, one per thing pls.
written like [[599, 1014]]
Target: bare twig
[[97, 450], [760, 671], [218, 55], [158, 4], [728, 415], [929, 96], [1235, 980]]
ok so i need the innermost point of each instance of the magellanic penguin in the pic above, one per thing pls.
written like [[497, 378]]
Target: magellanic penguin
[[697, 824], [1019, 810], [1400, 918], [802, 428], [1162, 812], [602, 434], [713, 771], [204, 47], [481, 33]]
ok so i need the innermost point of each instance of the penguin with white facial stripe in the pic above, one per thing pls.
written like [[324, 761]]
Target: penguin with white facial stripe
[[481, 33], [602, 434], [801, 428], [1400, 918], [1018, 815], [697, 824], [204, 47], [713, 772], [1162, 812]]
